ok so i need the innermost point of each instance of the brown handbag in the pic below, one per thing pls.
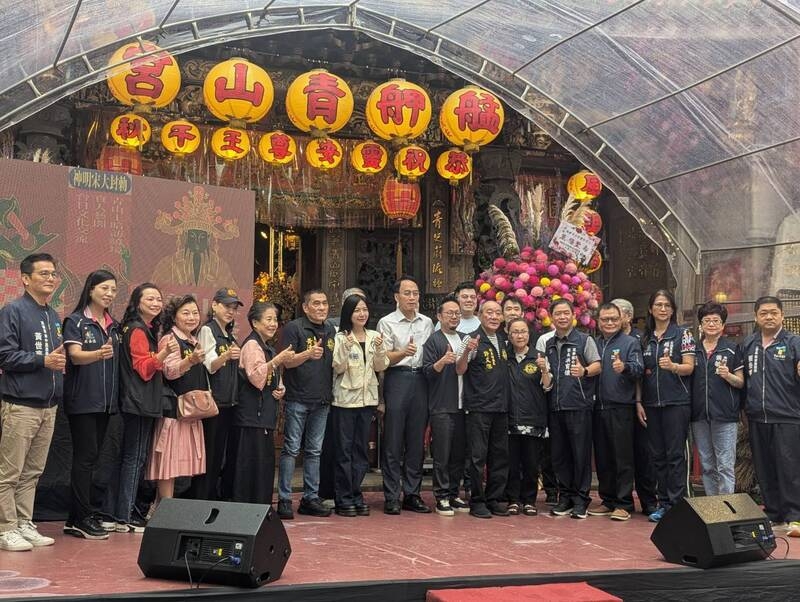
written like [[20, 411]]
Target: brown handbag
[[196, 405]]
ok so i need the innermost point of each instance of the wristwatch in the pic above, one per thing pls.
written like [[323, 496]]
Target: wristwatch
[[585, 371]]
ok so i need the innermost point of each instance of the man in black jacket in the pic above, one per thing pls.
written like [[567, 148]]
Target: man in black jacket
[[485, 367], [32, 359], [615, 415], [439, 355], [574, 360]]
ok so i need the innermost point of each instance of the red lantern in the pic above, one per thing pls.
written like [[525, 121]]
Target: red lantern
[[592, 222], [119, 159], [400, 200]]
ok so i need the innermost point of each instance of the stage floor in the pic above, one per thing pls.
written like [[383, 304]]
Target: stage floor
[[375, 548]]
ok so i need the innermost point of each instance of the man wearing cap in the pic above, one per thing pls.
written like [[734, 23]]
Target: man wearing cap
[[222, 362]]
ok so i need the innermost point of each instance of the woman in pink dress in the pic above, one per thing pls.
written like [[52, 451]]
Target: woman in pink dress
[[178, 448]]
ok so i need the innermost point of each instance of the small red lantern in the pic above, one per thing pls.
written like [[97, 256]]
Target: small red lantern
[[400, 200], [120, 159], [594, 263], [592, 222]]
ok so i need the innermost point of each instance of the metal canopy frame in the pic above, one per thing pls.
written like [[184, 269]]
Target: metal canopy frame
[[642, 193]]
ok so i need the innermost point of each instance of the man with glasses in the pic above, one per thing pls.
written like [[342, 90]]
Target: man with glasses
[[485, 366], [575, 362], [445, 388], [405, 394], [772, 369], [615, 415], [32, 360]]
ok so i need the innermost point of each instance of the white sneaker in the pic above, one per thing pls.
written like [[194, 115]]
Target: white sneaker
[[14, 542], [28, 530], [443, 508]]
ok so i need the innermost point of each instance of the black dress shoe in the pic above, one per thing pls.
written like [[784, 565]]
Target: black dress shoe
[[345, 510], [391, 507], [362, 510], [479, 511], [415, 504], [313, 507], [498, 508]]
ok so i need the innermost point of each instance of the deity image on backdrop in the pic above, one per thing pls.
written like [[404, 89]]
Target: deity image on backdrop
[[199, 226]]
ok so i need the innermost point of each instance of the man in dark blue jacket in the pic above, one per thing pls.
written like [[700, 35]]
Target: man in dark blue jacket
[[615, 415], [574, 361], [772, 370], [32, 359]]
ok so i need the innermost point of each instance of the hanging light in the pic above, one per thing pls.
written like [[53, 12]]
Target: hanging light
[[398, 110], [144, 76], [319, 102], [471, 117], [238, 91]]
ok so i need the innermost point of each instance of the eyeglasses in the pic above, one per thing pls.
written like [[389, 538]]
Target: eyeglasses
[[711, 322], [451, 314], [47, 275]]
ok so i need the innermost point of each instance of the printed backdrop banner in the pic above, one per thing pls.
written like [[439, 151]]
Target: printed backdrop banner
[[184, 237]]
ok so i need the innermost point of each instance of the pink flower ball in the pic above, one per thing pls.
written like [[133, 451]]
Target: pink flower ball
[[552, 269], [592, 303], [592, 324], [518, 283], [530, 316], [499, 263], [571, 268], [524, 277], [520, 293], [566, 278], [531, 271], [540, 254], [534, 280], [490, 294], [541, 314], [537, 291], [582, 276], [549, 290], [569, 297], [585, 319], [528, 301], [575, 281], [560, 263], [564, 288], [526, 254], [499, 281], [524, 266]]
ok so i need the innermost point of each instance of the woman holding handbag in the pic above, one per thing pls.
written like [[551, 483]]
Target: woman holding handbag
[[178, 448], [255, 416]]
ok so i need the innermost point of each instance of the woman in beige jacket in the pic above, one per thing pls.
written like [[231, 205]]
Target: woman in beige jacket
[[358, 356]]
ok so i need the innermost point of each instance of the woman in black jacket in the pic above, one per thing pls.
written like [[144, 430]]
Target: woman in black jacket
[[527, 418], [91, 392]]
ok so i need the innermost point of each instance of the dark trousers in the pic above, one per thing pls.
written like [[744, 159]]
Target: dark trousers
[[487, 437], [216, 431], [549, 480], [667, 428], [351, 436], [406, 396], [327, 462], [571, 434], [524, 455], [776, 456], [644, 470], [88, 432], [136, 434], [612, 431], [252, 464], [448, 448]]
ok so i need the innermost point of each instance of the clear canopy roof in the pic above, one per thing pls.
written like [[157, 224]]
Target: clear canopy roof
[[688, 109]]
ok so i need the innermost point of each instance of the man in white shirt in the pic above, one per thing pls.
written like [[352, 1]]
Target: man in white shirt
[[405, 394]]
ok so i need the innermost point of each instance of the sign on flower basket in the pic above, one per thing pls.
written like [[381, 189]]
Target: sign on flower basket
[[574, 242]]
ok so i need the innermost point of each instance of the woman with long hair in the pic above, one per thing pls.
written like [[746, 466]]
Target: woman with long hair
[[358, 355], [91, 394], [256, 414], [716, 397], [222, 362], [178, 447], [141, 388], [665, 407]]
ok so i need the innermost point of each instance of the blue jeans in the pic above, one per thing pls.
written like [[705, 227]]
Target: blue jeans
[[310, 418], [716, 444], [135, 446]]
